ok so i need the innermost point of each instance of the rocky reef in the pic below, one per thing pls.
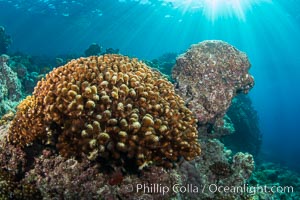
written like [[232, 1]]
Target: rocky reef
[[118, 112], [10, 87], [217, 167], [208, 76], [93, 50], [274, 175], [28, 71], [164, 63], [18, 76], [55, 176], [110, 127], [51, 176]]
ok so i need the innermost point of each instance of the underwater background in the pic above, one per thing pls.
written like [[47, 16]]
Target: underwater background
[[268, 31]]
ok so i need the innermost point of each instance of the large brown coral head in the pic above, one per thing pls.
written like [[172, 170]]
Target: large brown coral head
[[109, 107]]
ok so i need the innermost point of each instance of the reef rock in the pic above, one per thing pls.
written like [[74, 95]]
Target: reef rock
[[10, 86], [208, 76], [216, 167]]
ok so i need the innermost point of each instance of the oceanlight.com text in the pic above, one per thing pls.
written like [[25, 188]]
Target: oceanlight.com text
[[213, 188]]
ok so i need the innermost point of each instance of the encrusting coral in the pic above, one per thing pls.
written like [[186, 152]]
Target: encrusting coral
[[108, 107]]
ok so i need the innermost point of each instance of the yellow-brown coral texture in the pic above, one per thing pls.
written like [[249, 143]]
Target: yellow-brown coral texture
[[110, 107]]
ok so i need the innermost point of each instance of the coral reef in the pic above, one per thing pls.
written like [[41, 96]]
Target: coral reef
[[270, 175], [10, 86], [85, 180], [246, 136], [51, 176], [93, 50], [108, 107], [97, 127], [13, 189], [5, 41], [222, 128], [164, 63], [217, 166], [111, 51], [13, 159], [28, 71], [55, 177], [12, 167], [96, 50], [208, 76]]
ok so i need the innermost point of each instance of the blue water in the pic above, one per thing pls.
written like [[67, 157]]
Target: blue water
[[268, 31]]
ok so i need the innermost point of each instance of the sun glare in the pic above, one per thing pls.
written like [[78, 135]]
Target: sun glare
[[214, 9]]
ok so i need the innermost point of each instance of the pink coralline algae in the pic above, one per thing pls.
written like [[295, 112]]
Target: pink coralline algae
[[209, 75]]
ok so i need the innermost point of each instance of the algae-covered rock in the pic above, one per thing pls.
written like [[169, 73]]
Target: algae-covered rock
[[209, 75], [10, 86]]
